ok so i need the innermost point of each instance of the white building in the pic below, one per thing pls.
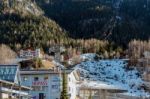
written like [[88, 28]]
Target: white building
[[31, 53], [45, 83], [99, 90], [73, 78]]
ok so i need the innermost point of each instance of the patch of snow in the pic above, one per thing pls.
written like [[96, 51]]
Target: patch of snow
[[113, 72], [83, 57], [89, 56], [99, 85]]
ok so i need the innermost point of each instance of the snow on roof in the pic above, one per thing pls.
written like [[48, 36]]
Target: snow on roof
[[83, 57], [99, 85], [116, 73]]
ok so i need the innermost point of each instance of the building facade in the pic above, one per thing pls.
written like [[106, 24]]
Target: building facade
[[45, 83], [30, 53], [73, 80], [10, 83]]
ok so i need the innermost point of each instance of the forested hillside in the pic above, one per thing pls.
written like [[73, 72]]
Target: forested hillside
[[98, 26], [119, 21], [19, 28], [29, 31]]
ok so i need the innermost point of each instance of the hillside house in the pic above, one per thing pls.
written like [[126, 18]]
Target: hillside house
[[29, 53], [57, 52]]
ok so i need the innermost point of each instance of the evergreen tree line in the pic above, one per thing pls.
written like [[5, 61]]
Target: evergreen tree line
[[96, 19], [40, 32]]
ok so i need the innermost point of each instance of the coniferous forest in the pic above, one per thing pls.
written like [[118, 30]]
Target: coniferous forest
[[100, 26]]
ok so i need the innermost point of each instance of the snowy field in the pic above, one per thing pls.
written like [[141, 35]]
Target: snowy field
[[114, 73]]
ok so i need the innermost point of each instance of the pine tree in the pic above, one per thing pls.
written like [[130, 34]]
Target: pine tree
[[64, 89], [90, 97]]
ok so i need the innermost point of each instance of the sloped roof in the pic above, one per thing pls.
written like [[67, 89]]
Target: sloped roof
[[100, 86], [48, 64], [8, 72]]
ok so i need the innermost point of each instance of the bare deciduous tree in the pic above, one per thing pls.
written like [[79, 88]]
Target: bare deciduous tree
[[7, 55]]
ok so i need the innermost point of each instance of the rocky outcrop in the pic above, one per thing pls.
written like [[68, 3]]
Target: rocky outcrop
[[20, 6]]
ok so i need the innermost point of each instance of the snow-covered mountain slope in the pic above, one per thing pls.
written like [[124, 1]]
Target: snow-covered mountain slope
[[114, 72]]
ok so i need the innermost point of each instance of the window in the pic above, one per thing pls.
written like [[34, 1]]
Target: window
[[44, 88], [36, 88], [69, 79], [36, 78], [55, 86], [69, 88], [25, 78], [40, 88]]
